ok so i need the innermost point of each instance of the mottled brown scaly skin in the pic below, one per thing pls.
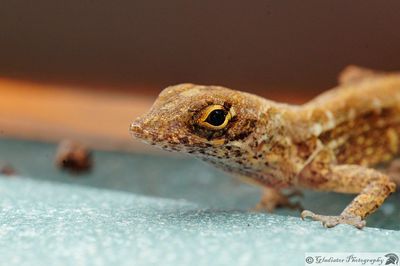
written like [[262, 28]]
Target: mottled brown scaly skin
[[327, 144]]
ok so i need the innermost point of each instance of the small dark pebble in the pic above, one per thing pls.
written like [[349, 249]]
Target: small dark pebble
[[74, 157]]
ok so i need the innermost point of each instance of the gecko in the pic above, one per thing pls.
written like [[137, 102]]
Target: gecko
[[331, 143]]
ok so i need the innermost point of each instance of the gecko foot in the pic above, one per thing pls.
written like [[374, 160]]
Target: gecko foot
[[331, 221], [273, 199]]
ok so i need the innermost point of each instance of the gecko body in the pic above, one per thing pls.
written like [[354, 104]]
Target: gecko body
[[327, 144]]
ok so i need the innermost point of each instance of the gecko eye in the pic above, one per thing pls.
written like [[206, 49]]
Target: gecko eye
[[215, 117]]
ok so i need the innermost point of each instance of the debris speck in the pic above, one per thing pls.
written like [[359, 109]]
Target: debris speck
[[73, 157]]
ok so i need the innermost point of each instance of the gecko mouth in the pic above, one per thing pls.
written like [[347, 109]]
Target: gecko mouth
[[166, 141], [149, 137]]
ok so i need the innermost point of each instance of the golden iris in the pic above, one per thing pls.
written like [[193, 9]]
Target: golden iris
[[215, 117]]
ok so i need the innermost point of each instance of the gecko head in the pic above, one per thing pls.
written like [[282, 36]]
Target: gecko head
[[201, 120]]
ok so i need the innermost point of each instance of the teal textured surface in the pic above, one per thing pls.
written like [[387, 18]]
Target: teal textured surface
[[190, 214], [48, 224]]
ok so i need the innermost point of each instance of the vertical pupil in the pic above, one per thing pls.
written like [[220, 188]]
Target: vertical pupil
[[216, 117]]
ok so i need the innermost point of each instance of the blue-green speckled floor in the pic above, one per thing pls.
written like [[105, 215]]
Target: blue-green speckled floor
[[142, 210]]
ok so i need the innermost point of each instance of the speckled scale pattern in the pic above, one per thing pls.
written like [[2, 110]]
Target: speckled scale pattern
[[317, 145]]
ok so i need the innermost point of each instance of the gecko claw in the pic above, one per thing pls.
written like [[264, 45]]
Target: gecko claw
[[332, 221]]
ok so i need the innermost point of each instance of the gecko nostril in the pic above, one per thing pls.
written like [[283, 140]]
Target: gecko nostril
[[139, 131]]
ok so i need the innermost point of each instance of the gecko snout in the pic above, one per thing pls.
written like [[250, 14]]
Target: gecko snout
[[140, 131], [136, 129]]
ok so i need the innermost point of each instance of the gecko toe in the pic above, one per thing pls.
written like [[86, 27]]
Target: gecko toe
[[356, 221], [332, 221], [295, 193], [307, 214]]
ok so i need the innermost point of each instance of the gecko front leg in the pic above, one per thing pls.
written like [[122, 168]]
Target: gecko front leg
[[372, 186], [273, 198]]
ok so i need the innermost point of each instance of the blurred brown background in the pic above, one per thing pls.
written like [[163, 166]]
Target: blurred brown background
[[249, 45], [124, 52]]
